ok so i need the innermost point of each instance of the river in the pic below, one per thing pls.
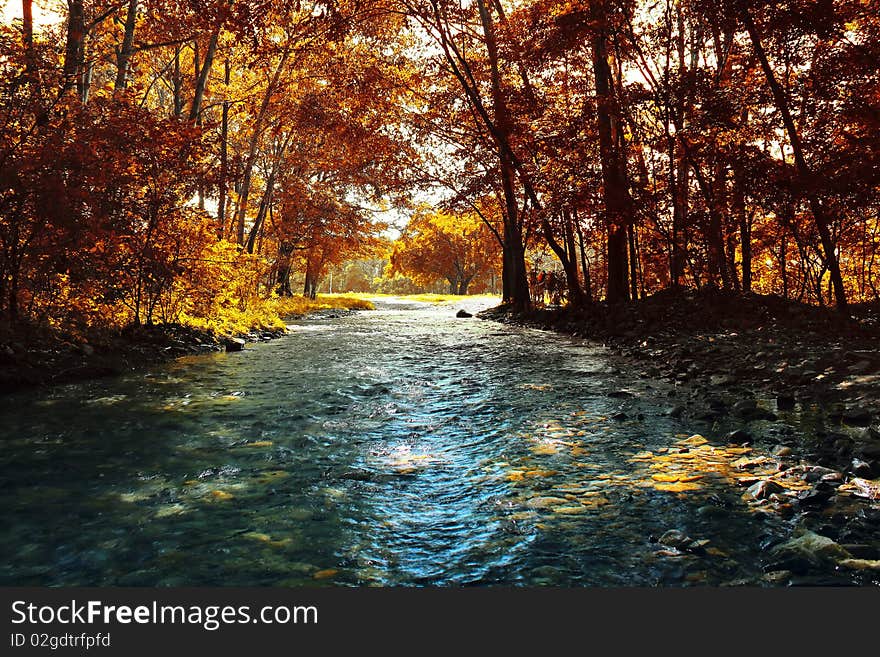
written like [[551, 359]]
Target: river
[[401, 446]]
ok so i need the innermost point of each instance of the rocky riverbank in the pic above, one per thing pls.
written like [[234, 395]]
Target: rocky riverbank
[[797, 386], [737, 355], [41, 358]]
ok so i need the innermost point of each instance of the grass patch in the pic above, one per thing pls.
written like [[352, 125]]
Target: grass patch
[[269, 314], [437, 299], [289, 306]]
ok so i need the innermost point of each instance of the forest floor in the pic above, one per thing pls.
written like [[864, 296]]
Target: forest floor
[[37, 357], [736, 358]]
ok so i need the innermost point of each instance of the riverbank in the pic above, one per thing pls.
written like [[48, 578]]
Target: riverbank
[[745, 358], [39, 357]]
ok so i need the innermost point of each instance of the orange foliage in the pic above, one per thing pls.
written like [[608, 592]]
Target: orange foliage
[[458, 249]]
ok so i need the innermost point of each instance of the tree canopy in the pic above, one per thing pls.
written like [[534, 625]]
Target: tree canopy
[[165, 160]]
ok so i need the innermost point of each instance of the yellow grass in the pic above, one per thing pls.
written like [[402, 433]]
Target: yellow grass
[[438, 299], [269, 313], [297, 305]]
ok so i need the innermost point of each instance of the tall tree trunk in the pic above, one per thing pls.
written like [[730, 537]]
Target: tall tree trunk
[[745, 227], [27, 39], [576, 295], [678, 171], [715, 238], [805, 173], [585, 264], [618, 209], [514, 264], [84, 83], [265, 203], [633, 263], [177, 85], [202, 81], [241, 211], [123, 55], [224, 158], [74, 45]]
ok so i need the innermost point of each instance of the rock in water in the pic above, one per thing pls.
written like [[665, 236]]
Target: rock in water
[[675, 538], [234, 344], [463, 314], [764, 489], [678, 540], [807, 550]]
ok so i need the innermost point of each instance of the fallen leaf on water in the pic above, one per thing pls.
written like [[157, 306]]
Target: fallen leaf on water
[[540, 473], [326, 574], [666, 477], [677, 487], [221, 495], [569, 509]]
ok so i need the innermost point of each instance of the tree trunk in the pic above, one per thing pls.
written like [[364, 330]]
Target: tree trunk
[[633, 263], [241, 212], [805, 173], [177, 86], [202, 81], [27, 39], [224, 158], [84, 83], [618, 210], [74, 45], [515, 269], [123, 55], [745, 229], [717, 243], [585, 264]]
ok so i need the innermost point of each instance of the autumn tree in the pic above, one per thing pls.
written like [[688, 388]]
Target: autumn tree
[[439, 246]]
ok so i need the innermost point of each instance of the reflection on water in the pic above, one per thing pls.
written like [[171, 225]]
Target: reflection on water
[[396, 447]]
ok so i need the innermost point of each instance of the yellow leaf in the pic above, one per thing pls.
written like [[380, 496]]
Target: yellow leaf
[[326, 574], [677, 487], [259, 443]]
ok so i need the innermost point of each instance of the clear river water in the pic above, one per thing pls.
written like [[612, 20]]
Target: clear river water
[[400, 446]]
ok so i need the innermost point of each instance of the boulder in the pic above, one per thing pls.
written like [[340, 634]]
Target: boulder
[[463, 314], [234, 344], [807, 550], [764, 489]]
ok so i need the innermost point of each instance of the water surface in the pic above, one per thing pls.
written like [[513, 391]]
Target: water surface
[[396, 447]]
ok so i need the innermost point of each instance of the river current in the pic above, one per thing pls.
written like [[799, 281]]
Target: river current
[[401, 446]]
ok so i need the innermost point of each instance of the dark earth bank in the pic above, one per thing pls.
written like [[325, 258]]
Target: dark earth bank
[[38, 357]]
